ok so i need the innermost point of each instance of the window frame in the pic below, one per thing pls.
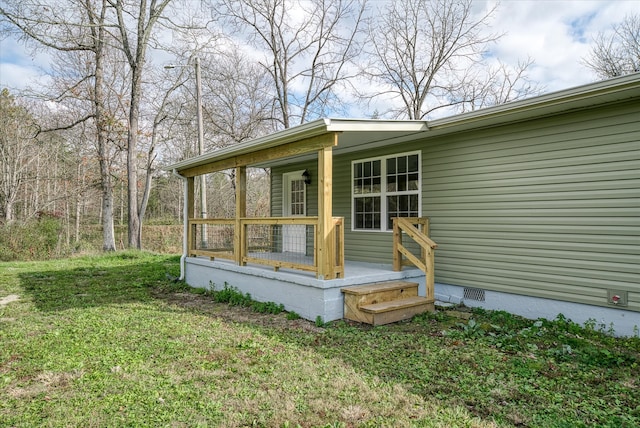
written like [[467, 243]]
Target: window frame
[[384, 193]]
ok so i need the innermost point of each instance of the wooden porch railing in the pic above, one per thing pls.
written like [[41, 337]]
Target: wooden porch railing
[[262, 241], [417, 229], [219, 248]]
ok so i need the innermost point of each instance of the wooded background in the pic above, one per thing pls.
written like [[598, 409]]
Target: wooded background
[[81, 155]]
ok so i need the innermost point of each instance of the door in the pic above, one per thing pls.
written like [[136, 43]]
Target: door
[[294, 200]]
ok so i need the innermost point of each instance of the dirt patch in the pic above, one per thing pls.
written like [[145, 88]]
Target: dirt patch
[[10, 298], [204, 304], [44, 383]]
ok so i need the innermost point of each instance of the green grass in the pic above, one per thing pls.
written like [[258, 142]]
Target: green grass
[[107, 341]]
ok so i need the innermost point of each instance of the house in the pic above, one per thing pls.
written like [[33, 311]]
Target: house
[[532, 207]]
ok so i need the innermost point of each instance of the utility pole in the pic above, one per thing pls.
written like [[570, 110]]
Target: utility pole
[[203, 181]]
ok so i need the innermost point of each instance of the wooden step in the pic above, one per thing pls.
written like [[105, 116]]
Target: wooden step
[[379, 292], [384, 302], [378, 308], [379, 287], [397, 310], [357, 296]]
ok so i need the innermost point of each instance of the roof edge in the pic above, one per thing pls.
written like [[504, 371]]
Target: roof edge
[[300, 132], [306, 130]]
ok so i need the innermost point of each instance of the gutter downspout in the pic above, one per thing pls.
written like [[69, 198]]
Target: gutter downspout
[[185, 216]]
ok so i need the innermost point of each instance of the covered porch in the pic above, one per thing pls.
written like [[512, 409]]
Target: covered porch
[[297, 260], [244, 239]]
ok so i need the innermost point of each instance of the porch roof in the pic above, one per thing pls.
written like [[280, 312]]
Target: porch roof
[[352, 132], [360, 134]]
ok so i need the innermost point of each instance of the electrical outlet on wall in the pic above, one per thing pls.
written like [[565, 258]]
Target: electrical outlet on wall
[[618, 297]]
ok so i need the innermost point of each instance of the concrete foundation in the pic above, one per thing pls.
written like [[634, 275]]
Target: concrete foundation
[[298, 291], [310, 298], [621, 321]]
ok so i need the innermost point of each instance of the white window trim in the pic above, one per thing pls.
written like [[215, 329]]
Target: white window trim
[[286, 192], [383, 193]]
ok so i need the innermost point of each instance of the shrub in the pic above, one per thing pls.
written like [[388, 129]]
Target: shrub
[[32, 240]]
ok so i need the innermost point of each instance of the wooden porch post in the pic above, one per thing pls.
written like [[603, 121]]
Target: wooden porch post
[[239, 238], [325, 235], [190, 203], [397, 242], [430, 277]]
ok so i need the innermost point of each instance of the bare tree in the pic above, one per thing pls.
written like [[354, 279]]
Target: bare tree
[[18, 150], [161, 126], [238, 103], [54, 187], [84, 171], [75, 27], [307, 45], [495, 85], [616, 52], [97, 21], [134, 43], [426, 53]]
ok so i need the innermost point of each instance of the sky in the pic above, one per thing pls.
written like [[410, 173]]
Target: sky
[[556, 34]]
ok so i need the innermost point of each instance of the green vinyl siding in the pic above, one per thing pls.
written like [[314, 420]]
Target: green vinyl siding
[[547, 207], [276, 192], [312, 189]]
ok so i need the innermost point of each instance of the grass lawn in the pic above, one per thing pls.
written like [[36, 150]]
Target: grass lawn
[[108, 341]]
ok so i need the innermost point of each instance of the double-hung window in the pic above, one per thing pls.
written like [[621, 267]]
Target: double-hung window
[[384, 188]]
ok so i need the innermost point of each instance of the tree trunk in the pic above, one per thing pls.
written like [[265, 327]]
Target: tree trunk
[[132, 167], [136, 58], [108, 234], [8, 211], [76, 232]]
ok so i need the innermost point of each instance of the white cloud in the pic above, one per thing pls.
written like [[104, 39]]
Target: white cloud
[[14, 76], [19, 69], [556, 34]]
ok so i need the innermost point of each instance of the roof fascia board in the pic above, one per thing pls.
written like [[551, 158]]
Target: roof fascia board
[[295, 148], [307, 130], [376, 125]]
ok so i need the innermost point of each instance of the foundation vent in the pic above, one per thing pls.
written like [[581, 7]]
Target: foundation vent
[[474, 294]]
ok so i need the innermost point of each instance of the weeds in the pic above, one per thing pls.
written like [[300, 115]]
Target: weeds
[[560, 340], [292, 316], [45, 238], [234, 297], [35, 239]]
